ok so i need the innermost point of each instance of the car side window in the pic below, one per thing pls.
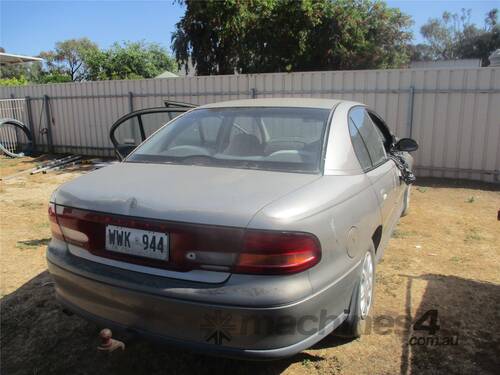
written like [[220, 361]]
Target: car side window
[[386, 136], [359, 147], [370, 135]]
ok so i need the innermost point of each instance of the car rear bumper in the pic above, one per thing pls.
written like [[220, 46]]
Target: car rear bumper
[[241, 331]]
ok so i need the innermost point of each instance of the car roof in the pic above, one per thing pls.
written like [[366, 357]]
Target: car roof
[[281, 102]]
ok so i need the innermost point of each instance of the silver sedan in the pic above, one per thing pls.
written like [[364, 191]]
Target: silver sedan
[[247, 228]]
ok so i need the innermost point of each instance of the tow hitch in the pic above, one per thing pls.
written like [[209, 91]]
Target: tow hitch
[[108, 344]]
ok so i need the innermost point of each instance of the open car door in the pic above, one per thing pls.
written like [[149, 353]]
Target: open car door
[[132, 129]]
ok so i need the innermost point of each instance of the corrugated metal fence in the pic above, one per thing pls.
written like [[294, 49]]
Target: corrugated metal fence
[[454, 114]]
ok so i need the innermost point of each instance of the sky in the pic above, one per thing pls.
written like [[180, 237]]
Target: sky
[[29, 27]]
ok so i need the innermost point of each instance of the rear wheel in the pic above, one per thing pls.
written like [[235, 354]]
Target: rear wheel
[[361, 300]]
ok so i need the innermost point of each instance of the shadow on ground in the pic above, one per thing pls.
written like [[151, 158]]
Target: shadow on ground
[[37, 338], [467, 340]]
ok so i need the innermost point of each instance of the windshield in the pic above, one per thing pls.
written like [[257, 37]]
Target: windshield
[[285, 139]]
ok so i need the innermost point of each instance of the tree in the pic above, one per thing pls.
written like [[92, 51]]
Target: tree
[[132, 60], [481, 43], [53, 77], [285, 35], [359, 35], [82, 60], [69, 58], [210, 33], [29, 72], [420, 52], [454, 37], [21, 81], [444, 34]]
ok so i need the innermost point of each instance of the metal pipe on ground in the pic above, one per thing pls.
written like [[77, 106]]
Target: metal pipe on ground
[[73, 158], [52, 162], [59, 167]]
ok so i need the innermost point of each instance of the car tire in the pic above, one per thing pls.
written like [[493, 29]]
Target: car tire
[[406, 203], [354, 326]]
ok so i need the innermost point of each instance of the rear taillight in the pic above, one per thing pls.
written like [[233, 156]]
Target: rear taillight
[[277, 252], [66, 228], [193, 246], [54, 226]]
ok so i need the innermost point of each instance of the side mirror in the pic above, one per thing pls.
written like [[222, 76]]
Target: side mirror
[[406, 144]]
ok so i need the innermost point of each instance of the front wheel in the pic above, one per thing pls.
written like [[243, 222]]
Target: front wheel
[[361, 300]]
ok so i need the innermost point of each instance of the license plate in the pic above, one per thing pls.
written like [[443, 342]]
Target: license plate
[[137, 242]]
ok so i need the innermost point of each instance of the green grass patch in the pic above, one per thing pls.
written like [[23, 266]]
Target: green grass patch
[[44, 225], [398, 233], [32, 244], [29, 204], [473, 235]]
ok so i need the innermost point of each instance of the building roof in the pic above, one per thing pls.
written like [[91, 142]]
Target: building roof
[[9, 58], [167, 74], [278, 102]]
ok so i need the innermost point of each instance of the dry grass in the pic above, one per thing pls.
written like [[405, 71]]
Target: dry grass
[[445, 255]]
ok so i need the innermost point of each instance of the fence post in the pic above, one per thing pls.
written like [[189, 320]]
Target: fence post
[[48, 121], [411, 100], [29, 116], [131, 101]]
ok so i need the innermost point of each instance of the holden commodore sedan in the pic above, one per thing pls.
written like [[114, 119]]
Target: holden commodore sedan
[[247, 228]]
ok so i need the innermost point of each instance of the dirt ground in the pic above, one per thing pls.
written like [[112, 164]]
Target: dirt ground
[[444, 256]]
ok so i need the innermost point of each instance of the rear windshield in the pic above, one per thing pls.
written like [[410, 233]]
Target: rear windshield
[[285, 139]]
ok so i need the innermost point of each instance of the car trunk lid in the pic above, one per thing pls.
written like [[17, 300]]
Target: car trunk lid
[[198, 213], [182, 193]]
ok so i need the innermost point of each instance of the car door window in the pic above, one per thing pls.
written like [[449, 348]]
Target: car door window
[[359, 147], [383, 129], [132, 129], [153, 121], [370, 135]]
